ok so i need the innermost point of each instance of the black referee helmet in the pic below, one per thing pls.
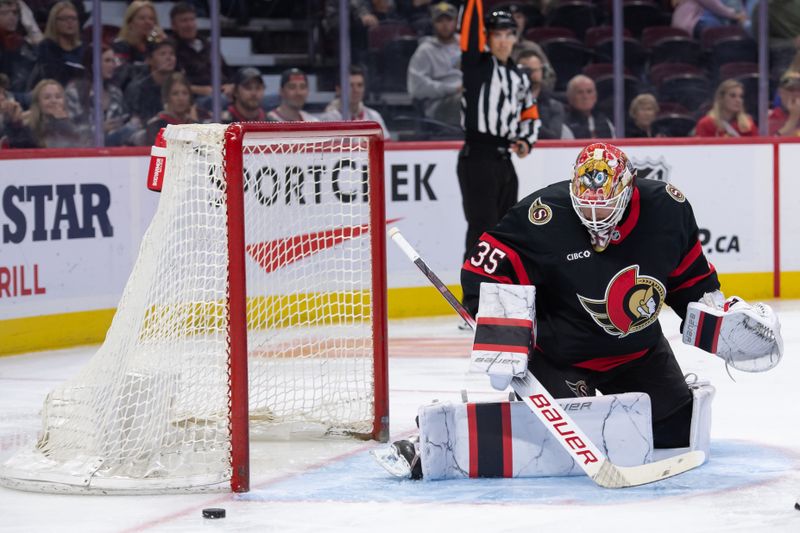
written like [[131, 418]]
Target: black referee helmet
[[500, 20]]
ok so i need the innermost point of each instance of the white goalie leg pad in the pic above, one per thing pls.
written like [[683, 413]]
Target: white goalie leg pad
[[504, 332], [700, 434], [507, 440], [747, 336]]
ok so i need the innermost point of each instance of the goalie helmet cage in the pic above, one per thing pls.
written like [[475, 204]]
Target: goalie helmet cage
[[256, 306]]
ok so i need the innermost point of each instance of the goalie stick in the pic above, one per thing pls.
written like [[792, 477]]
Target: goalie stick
[[588, 456]]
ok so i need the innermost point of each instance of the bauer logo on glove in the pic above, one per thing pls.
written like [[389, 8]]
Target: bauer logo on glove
[[504, 332], [747, 336]]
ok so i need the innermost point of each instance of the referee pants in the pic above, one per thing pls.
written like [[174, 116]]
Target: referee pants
[[489, 188]]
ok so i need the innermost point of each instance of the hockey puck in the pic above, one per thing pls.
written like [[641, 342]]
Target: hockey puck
[[797, 505], [213, 512]]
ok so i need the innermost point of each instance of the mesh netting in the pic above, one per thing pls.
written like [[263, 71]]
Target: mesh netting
[[150, 411], [308, 276]]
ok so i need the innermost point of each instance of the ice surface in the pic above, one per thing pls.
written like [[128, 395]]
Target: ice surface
[[750, 483]]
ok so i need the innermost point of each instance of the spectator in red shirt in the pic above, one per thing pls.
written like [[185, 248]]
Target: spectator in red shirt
[[727, 117], [785, 119]]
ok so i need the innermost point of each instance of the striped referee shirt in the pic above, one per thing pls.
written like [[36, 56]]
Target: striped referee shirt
[[497, 104]]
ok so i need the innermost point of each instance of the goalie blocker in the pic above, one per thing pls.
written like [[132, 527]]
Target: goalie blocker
[[504, 332]]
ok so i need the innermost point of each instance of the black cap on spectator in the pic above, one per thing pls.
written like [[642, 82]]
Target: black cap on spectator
[[292, 74], [245, 74], [443, 9], [155, 44]]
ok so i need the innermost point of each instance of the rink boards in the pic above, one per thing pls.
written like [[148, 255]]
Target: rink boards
[[71, 222]]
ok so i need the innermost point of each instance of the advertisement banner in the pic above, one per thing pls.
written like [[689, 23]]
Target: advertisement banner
[[70, 227], [69, 232], [789, 163]]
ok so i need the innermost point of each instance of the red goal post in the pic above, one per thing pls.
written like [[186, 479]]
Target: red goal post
[[234, 138], [255, 309]]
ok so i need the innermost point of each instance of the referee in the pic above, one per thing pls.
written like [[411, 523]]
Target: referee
[[498, 114]]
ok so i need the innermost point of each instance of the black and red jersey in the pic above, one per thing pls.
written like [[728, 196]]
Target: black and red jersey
[[596, 310]]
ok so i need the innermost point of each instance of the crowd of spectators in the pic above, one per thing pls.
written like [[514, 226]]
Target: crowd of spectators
[[677, 81]]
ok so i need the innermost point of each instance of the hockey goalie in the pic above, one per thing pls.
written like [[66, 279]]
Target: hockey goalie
[[569, 287]]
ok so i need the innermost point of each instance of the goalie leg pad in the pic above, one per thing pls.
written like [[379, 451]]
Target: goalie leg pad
[[700, 436], [507, 440], [700, 429]]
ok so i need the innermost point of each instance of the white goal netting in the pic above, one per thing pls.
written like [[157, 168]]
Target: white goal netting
[[151, 410]]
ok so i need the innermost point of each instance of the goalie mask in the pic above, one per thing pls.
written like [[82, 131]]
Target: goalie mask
[[602, 184]]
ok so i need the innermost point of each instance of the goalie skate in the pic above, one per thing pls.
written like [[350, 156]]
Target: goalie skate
[[400, 459]]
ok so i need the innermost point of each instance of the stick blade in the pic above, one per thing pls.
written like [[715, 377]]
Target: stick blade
[[616, 477]]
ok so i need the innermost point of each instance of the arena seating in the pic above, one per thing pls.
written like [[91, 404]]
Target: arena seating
[[577, 15]]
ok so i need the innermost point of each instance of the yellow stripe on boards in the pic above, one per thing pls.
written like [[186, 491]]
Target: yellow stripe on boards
[[752, 286], [185, 320], [51, 332], [89, 327], [790, 285], [409, 302]]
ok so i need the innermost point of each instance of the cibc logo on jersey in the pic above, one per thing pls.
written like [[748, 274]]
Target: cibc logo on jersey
[[632, 302], [583, 254]]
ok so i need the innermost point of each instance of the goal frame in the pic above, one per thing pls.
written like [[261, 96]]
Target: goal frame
[[235, 139]]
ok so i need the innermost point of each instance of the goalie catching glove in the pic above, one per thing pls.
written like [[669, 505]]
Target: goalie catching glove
[[747, 336], [504, 333]]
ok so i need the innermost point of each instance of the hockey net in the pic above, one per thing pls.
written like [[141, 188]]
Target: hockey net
[[164, 405]]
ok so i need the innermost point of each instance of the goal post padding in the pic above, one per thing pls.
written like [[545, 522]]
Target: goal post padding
[[257, 304]]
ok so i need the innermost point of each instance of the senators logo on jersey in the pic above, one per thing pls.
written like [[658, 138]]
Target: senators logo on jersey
[[632, 302], [673, 191], [539, 213]]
